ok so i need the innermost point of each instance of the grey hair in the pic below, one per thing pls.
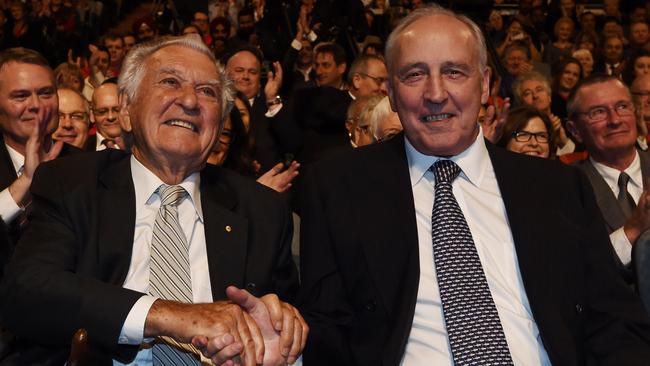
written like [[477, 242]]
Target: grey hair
[[532, 75], [378, 115], [134, 67], [431, 10]]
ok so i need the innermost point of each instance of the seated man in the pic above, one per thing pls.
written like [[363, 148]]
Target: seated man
[[602, 117], [139, 248], [74, 118]]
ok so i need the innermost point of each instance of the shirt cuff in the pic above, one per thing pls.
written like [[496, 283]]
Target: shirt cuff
[[273, 110], [312, 36], [298, 361], [133, 328], [622, 245], [8, 207], [296, 45]]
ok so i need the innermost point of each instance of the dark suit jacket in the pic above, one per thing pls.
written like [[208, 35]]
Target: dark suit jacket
[[68, 270], [605, 198], [360, 264]]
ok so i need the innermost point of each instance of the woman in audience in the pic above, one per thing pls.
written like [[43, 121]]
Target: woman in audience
[[586, 60], [566, 75], [528, 131], [233, 150], [587, 40], [561, 48], [638, 65], [517, 33], [70, 76]]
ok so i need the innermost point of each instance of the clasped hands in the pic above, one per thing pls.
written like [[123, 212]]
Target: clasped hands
[[243, 331]]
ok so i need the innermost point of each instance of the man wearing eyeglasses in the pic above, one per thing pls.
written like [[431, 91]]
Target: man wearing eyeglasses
[[602, 117], [367, 76], [73, 118], [105, 110], [641, 94]]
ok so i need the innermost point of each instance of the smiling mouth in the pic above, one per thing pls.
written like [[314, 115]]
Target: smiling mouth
[[183, 124], [436, 117]]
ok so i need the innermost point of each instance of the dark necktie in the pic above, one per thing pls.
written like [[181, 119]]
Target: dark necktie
[[169, 273], [624, 198], [475, 333]]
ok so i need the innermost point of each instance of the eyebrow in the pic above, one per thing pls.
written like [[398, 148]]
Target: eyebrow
[[175, 72]]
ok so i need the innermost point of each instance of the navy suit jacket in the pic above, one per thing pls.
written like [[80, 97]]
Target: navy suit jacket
[[68, 270], [360, 264]]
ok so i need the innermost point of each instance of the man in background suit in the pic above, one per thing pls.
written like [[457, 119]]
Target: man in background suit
[[105, 115], [602, 117], [28, 116], [371, 289], [89, 257]]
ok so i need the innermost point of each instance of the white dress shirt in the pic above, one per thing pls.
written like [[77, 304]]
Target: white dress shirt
[[477, 192], [190, 217], [9, 209], [620, 242]]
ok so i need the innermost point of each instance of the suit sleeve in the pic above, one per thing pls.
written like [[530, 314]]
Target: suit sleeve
[[45, 300], [617, 329], [322, 299]]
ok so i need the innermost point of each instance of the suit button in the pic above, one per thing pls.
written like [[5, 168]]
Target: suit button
[[579, 308], [251, 287], [371, 306]]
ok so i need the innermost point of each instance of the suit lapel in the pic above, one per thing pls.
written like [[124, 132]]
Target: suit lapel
[[226, 234], [609, 207], [645, 166], [116, 219], [390, 241]]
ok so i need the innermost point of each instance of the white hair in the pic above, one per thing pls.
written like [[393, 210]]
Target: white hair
[[134, 67], [378, 115]]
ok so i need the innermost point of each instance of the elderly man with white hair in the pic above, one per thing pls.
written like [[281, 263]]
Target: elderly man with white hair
[[144, 249], [384, 123]]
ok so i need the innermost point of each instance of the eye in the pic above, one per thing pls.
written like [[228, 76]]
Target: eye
[[170, 82], [413, 76], [207, 91], [454, 74]]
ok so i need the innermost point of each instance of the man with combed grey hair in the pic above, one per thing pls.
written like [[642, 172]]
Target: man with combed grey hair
[[162, 259], [475, 255], [384, 123]]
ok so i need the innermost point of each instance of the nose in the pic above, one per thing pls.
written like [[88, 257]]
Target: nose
[[436, 91], [112, 115], [383, 88], [189, 101], [65, 121], [34, 103]]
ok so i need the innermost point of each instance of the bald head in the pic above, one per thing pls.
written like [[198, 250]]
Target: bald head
[[106, 108]]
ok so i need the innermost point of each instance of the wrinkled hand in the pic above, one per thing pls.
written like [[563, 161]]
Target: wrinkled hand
[[495, 119], [274, 82], [526, 67], [280, 180], [76, 61], [560, 132], [232, 333], [283, 328]]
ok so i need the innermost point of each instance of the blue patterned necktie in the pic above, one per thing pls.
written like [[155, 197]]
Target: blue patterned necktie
[[475, 333], [169, 276]]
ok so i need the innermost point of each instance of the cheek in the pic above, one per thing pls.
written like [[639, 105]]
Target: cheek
[[514, 145]]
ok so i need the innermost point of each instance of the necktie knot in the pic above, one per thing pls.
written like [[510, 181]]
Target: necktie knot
[[171, 195], [445, 171], [623, 179]]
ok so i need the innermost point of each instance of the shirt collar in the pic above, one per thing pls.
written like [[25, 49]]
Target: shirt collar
[[146, 183], [17, 159], [473, 161], [610, 175]]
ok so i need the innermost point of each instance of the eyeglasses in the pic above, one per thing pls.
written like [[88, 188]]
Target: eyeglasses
[[525, 136], [104, 111], [600, 113], [377, 79], [75, 116]]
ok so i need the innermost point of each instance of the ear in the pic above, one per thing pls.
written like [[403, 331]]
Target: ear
[[391, 94], [485, 86], [573, 130], [125, 117], [341, 68], [356, 79]]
